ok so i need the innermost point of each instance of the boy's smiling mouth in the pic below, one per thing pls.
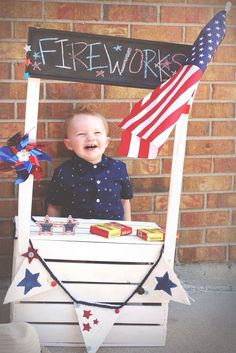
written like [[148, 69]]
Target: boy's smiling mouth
[[90, 147]]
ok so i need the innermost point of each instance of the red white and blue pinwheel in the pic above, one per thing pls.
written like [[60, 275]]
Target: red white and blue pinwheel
[[22, 156]]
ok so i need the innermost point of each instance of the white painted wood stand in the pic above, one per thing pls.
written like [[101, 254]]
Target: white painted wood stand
[[96, 269]]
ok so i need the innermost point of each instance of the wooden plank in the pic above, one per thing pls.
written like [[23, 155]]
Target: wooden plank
[[26, 188], [65, 313], [92, 272], [92, 293], [127, 335], [82, 251]]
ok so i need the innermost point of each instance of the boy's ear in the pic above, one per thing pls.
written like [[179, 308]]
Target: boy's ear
[[108, 140], [68, 144]]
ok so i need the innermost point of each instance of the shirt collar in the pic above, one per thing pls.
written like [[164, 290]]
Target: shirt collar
[[84, 165]]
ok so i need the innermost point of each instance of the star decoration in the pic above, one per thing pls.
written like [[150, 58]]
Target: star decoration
[[31, 254], [165, 284], [70, 226], [30, 281], [117, 47], [45, 226], [27, 48], [95, 322], [36, 66], [100, 73], [26, 75], [27, 62], [86, 327], [166, 64], [87, 314], [36, 55]]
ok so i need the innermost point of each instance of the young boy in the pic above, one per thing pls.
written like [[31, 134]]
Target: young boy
[[90, 185]]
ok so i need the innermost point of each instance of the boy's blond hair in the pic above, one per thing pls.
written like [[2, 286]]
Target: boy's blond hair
[[85, 109]]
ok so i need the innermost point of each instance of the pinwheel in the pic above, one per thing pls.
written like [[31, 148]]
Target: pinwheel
[[22, 156]]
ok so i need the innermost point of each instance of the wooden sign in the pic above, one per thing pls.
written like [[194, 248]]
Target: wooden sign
[[74, 56]]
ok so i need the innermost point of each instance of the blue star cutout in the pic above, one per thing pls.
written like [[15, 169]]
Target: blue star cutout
[[30, 281], [165, 284]]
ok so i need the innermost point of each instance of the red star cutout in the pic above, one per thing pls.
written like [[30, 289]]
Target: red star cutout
[[87, 314], [87, 327], [31, 254], [46, 226], [95, 322]]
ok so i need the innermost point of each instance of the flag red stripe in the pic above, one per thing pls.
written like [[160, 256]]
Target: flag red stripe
[[123, 148]]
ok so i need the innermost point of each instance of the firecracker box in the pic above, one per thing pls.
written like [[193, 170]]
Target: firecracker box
[[110, 230], [151, 234]]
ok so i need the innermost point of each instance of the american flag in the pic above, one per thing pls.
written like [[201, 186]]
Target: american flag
[[152, 119]]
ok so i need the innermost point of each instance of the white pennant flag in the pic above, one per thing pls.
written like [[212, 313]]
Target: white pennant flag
[[31, 279], [95, 324], [163, 285]]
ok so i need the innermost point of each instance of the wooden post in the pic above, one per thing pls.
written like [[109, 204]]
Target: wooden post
[[26, 188], [175, 187]]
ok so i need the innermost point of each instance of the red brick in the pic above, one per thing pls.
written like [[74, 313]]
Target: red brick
[[21, 28], [212, 110], [130, 13], [12, 51], [5, 71], [51, 110], [202, 254], [118, 92], [232, 253], [5, 266], [158, 218], [5, 29], [6, 228], [198, 128], [117, 30], [8, 208], [56, 130], [190, 236], [6, 190], [173, 14], [141, 204], [186, 202], [12, 90], [234, 217], [113, 110], [6, 246], [225, 54], [224, 128], [157, 33], [203, 92], [6, 110], [23, 9], [221, 235], [219, 73], [221, 200], [9, 129], [207, 183], [72, 11], [145, 167], [191, 165], [157, 184], [72, 91], [224, 92], [224, 165], [208, 147], [207, 218], [231, 16]]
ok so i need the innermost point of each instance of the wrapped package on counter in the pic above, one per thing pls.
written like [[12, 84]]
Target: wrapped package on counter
[[151, 234], [110, 230]]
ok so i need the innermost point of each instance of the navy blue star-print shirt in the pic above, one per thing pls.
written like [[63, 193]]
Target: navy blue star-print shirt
[[86, 190]]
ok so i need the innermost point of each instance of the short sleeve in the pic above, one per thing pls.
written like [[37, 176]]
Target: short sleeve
[[126, 188], [56, 188]]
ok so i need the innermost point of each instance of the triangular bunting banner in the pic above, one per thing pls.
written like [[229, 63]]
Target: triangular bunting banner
[[163, 285], [95, 324], [31, 279]]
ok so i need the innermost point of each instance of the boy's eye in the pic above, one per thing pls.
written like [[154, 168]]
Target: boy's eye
[[98, 132], [81, 134]]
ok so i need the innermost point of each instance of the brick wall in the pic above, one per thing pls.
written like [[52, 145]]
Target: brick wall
[[207, 221]]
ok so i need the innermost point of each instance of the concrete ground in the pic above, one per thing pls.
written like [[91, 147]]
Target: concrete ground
[[207, 326]]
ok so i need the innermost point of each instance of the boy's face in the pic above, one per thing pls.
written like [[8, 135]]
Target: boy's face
[[87, 137]]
